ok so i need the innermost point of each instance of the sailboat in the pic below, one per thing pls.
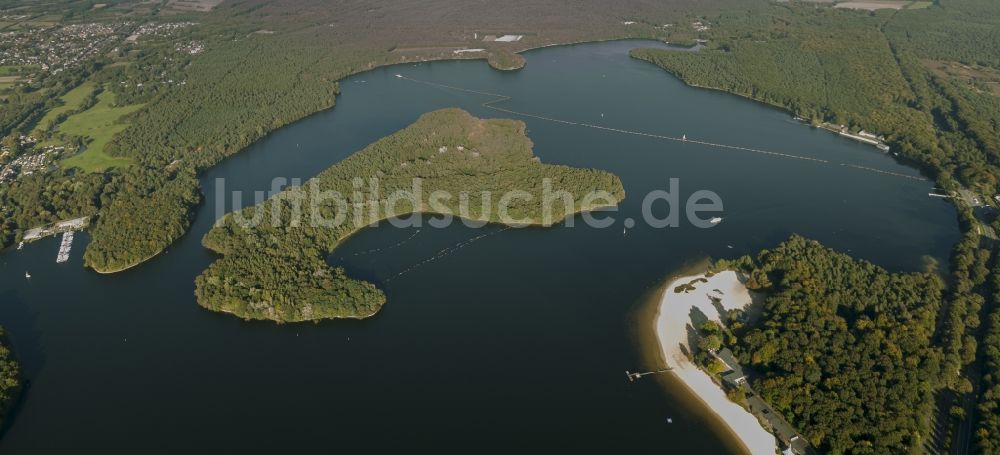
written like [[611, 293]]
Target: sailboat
[[684, 137]]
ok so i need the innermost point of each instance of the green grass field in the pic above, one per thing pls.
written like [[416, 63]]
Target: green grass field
[[919, 5], [71, 101], [98, 125], [13, 70]]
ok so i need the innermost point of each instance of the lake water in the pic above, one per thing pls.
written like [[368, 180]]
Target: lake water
[[517, 340]]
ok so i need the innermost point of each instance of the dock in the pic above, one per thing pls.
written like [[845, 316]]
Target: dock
[[632, 377], [65, 247]]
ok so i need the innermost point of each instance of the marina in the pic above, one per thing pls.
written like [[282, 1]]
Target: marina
[[65, 247]]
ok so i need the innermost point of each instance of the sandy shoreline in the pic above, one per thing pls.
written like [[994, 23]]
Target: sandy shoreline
[[671, 323]]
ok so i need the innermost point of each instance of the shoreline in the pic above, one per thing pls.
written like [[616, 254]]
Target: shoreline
[[200, 173], [670, 322], [126, 267], [788, 110]]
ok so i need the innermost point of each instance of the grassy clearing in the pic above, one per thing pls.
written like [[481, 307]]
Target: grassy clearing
[[9, 70], [45, 21], [920, 5], [973, 75], [98, 124], [71, 101]]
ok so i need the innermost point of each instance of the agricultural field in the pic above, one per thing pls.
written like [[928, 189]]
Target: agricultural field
[[98, 124], [9, 70]]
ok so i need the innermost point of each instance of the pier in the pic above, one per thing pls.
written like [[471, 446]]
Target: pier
[[632, 377], [65, 247]]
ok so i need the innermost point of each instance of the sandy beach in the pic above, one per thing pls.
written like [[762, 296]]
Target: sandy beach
[[671, 325]]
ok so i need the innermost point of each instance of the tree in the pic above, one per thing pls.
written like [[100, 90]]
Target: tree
[[716, 366], [843, 349], [710, 343]]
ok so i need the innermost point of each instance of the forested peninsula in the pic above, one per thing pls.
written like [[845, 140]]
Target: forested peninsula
[[276, 270], [505, 60], [927, 80], [842, 348]]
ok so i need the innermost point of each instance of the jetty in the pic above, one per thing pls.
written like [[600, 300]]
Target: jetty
[[65, 247], [632, 377]]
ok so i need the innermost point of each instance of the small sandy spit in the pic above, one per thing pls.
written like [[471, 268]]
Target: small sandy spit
[[671, 325]]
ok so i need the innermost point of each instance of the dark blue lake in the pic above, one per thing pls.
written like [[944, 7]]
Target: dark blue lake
[[519, 340]]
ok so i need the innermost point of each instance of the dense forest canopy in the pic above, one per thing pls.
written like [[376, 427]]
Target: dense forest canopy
[[867, 71], [988, 428], [843, 349], [10, 377], [275, 268]]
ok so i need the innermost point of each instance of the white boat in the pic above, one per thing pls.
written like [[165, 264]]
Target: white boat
[[715, 220], [399, 75], [684, 138], [27, 275], [20, 245]]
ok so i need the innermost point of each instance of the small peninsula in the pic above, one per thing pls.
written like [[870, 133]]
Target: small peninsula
[[836, 353], [277, 270], [504, 60], [710, 297]]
